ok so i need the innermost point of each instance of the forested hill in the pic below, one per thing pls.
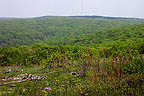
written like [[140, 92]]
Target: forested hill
[[62, 30], [120, 34]]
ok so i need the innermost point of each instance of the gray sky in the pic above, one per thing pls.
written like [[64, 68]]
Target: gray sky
[[36, 8]]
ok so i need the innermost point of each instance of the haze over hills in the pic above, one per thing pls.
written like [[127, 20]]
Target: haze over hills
[[61, 30]]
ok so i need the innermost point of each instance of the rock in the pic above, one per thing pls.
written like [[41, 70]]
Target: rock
[[48, 89], [3, 79], [62, 85], [39, 77], [24, 80], [12, 82], [9, 92], [13, 70], [24, 77], [16, 78], [10, 70], [34, 77], [19, 81], [10, 89], [21, 78], [5, 83], [30, 75], [73, 73], [12, 85]]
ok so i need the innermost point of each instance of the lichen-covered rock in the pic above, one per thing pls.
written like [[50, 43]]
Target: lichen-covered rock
[[13, 70], [12, 85], [73, 73], [10, 89], [48, 89], [21, 78], [10, 70]]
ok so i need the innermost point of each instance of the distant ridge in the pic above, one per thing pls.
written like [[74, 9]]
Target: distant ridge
[[104, 17], [5, 18], [89, 16], [76, 16], [2, 18]]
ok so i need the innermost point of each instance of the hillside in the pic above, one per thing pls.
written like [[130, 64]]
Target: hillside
[[82, 56], [127, 33], [56, 30]]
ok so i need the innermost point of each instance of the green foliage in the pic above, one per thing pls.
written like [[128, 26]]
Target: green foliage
[[42, 54], [126, 34], [113, 70], [66, 30], [104, 60]]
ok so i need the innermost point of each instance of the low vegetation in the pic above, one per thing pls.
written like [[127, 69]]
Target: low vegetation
[[73, 70], [108, 62]]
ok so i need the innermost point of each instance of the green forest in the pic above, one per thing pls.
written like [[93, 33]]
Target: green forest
[[72, 56], [65, 30]]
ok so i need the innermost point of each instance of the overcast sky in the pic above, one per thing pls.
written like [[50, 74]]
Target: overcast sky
[[36, 8]]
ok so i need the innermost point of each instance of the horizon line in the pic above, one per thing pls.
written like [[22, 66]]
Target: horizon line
[[12, 17]]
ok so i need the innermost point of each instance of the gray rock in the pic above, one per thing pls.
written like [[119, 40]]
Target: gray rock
[[19, 81], [48, 89], [10, 70], [24, 80], [12, 82], [21, 78], [12, 85], [3, 79], [10, 89], [9, 92], [5, 83], [73, 73]]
